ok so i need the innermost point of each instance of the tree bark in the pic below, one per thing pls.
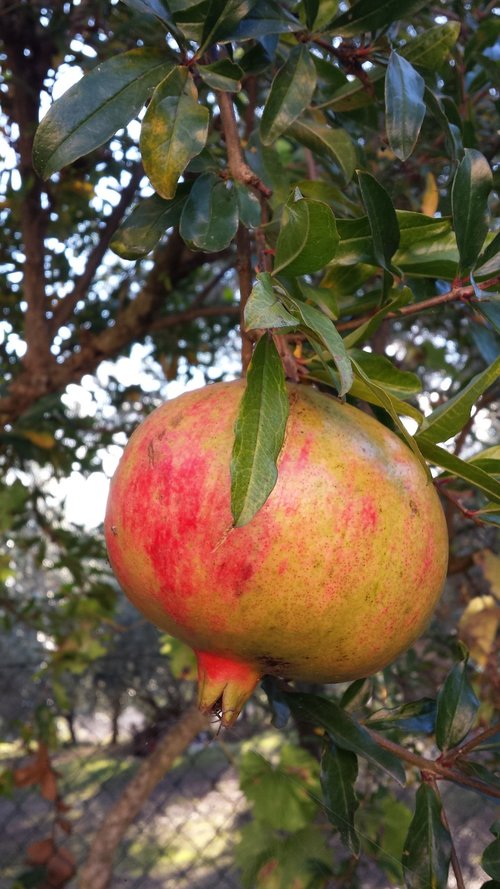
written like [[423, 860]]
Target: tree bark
[[98, 868]]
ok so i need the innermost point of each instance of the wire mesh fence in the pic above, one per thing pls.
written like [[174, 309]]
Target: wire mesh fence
[[185, 834]]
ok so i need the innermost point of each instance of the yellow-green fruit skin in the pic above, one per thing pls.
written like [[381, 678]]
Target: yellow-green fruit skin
[[336, 574]]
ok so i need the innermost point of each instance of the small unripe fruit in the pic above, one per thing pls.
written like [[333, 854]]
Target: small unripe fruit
[[337, 573]]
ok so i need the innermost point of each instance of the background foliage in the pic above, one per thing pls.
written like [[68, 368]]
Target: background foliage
[[329, 172]]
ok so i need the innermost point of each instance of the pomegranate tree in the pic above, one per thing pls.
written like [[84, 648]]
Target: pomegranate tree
[[335, 575]]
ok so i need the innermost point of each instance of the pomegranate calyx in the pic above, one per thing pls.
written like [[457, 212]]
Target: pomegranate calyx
[[224, 685]]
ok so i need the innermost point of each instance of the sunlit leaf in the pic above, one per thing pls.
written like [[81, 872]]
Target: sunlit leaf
[[259, 433], [174, 130], [469, 196], [290, 93], [404, 106], [92, 110]]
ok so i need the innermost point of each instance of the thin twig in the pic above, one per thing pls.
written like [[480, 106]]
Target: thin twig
[[436, 768], [458, 293]]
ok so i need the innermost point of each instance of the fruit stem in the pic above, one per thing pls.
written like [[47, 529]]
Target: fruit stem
[[224, 685]]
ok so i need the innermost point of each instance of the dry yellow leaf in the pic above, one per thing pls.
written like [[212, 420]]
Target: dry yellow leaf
[[490, 564], [478, 627], [430, 197]]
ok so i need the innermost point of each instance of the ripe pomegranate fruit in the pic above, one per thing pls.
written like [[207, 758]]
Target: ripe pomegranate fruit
[[336, 574]]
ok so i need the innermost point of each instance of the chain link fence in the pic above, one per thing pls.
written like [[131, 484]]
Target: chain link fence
[[184, 836]]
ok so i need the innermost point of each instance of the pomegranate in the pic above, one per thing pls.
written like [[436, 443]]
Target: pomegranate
[[336, 574]]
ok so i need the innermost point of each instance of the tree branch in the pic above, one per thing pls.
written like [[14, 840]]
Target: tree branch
[[238, 167], [173, 262], [462, 293], [97, 870], [65, 308], [435, 768]]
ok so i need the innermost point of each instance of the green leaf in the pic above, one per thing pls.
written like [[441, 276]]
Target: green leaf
[[174, 130], [489, 261], [147, 223], [366, 330], [223, 75], [491, 312], [371, 394], [259, 433], [221, 18], [387, 402], [339, 770], [264, 309], [449, 418], [308, 237], [381, 370], [344, 731], [427, 853], [151, 7], [451, 132], [209, 219], [323, 297], [265, 18], [490, 861], [365, 15], [404, 108], [331, 142], [381, 217], [292, 858], [457, 707], [471, 474], [291, 92], [278, 800], [417, 716], [92, 110], [248, 206], [324, 330], [431, 48], [469, 197]]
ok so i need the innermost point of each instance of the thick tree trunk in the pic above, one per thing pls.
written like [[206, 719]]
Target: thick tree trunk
[[98, 868]]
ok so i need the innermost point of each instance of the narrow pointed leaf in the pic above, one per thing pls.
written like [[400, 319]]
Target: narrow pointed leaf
[[332, 142], [449, 418], [174, 130], [308, 238], [263, 309], [404, 106], [365, 15], [259, 433], [433, 46], [324, 330], [380, 369], [457, 707], [92, 110], [147, 223], [452, 464], [223, 75], [388, 403], [209, 219], [417, 716], [221, 18], [427, 852], [345, 731], [469, 197], [248, 205], [339, 770], [366, 330], [382, 218], [291, 92]]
